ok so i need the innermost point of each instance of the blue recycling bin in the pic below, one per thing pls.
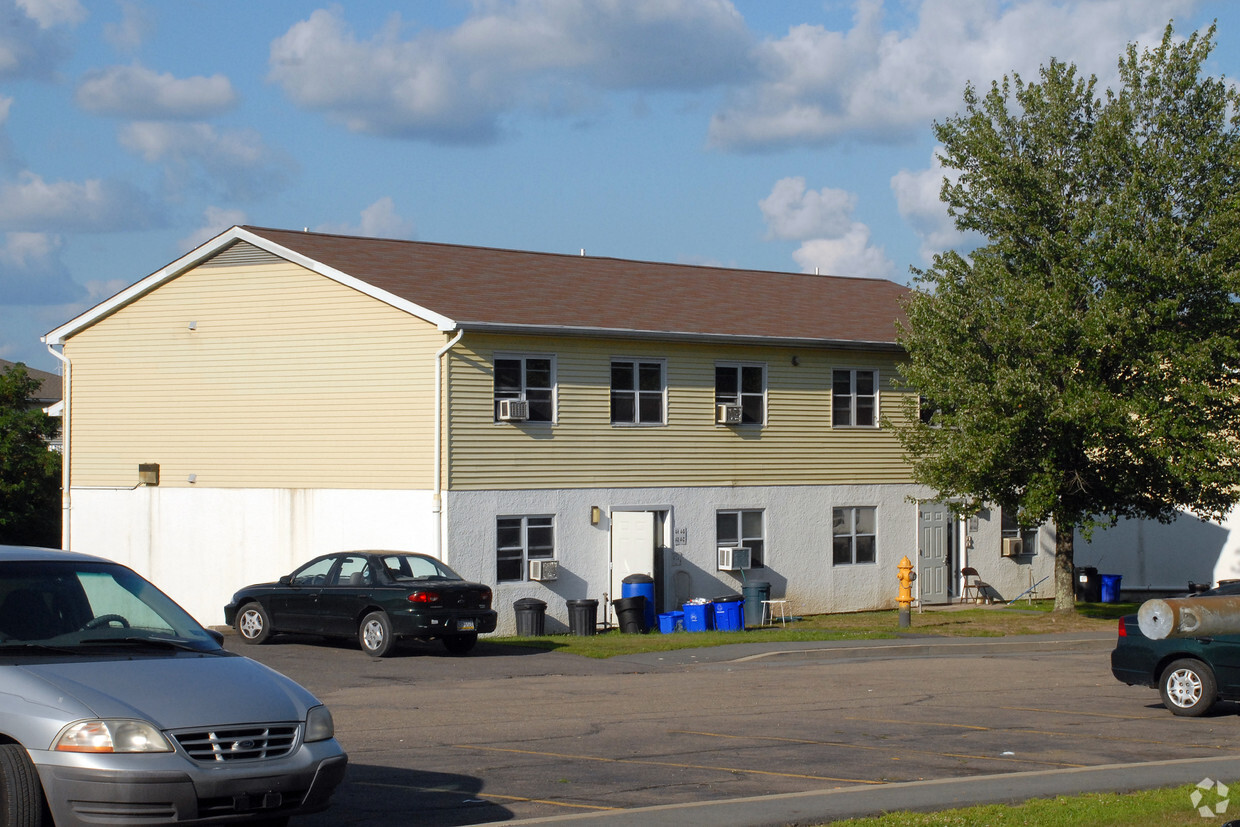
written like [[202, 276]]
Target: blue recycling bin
[[670, 622], [1110, 587], [729, 614], [699, 617], [640, 585]]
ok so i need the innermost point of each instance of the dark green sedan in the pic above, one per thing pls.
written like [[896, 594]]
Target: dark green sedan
[[1191, 674], [377, 596]]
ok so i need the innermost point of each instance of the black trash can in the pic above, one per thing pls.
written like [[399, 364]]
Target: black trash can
[[640, 584], [582, 617], [1088, 584], [631, 614], [531, 617], [755, 592]]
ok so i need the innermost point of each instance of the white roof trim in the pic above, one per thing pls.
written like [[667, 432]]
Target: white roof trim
[[209, 249]]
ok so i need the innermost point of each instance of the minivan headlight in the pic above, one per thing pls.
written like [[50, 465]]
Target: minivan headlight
[[111, 735], [319, 725]]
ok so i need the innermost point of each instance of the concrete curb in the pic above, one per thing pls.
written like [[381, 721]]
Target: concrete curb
[[824, 806]]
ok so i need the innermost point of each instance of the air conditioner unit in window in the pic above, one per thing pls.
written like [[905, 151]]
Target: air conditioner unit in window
[[544, 569], [734, 559], [514, 410], [728, 414], [1013, 546]]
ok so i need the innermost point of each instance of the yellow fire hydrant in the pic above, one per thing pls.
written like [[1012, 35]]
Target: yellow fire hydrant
[[906, 576]]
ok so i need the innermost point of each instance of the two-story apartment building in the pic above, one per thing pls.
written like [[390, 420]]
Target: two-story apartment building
[[274, 394]]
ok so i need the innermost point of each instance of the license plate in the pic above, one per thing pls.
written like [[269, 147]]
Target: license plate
[[466, 625]]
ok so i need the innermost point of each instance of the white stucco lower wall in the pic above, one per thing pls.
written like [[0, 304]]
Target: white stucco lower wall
[[202, 544], [798, 546], [1164, 557]]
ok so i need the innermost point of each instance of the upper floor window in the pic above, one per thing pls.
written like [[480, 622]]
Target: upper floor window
[[519, 540], [745, 387], [854, 535], [741, 529], [638, 393], [528, 379], [854, 398]]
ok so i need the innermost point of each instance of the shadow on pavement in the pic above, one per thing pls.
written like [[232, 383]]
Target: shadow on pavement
[[373, 796]]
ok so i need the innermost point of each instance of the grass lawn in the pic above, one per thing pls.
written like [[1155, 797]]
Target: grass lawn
[[1024, 618], [1146, 808]]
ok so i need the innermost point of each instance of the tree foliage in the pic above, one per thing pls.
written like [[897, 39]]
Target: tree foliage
[[1083, 363], [29, 471]]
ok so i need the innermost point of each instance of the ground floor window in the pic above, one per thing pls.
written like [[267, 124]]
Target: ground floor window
[[854, 536], [519, 540], [1026, 538], [742, 529]]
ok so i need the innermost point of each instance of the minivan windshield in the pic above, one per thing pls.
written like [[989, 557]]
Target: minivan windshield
[[59, 604]]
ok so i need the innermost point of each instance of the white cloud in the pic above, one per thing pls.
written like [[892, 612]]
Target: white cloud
[[832, 242], [95, 205], [49, 13], [28, 49], [237, 163], [551, 56], [379, 220], [819, 85], [137, 92], [31, 270], [917, 198], [215, 220], [849, 255], [134, 27], [793, 213]]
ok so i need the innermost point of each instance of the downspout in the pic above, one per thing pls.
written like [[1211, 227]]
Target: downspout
[[437, 485], [65, 500]]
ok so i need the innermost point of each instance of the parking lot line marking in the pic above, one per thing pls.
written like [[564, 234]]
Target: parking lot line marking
[[902, 749], [1082, 714], [746, 770], [485, 795], [1015, 730]]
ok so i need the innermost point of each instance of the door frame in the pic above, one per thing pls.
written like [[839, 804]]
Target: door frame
[[661, 516], [951, 562]]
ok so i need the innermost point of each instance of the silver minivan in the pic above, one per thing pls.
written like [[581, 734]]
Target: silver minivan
[[117, 707]]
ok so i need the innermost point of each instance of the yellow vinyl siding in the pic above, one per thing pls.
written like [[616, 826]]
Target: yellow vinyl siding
[[796, 446], [289, 379]]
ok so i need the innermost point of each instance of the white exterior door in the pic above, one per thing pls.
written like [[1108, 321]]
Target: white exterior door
[[632, 547]]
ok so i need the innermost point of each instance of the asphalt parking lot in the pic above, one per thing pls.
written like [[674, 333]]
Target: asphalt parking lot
[[507, 734]]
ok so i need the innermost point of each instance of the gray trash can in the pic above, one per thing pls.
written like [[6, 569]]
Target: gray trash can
[[582, 617], [531, 617], [755, 592]]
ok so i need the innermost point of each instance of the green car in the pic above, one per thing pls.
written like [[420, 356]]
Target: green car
[[1191, 674], [377, 596]]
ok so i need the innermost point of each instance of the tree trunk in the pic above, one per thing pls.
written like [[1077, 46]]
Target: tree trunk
[[1065, 570]]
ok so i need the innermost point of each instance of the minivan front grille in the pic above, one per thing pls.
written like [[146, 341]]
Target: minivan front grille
[[249, 743]]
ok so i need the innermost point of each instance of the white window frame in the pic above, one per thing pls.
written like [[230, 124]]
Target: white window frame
[[739, 397], [757, 544], [637, 393], [850, 516], [524, 359], [852, 397], [523, 545]]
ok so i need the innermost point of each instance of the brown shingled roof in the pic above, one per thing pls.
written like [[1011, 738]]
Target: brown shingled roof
[[477, 287]]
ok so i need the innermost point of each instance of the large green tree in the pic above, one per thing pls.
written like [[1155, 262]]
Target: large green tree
[[29, 471], [1083, 364]]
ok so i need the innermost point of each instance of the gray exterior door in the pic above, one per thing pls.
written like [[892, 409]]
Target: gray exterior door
[[935, 530]]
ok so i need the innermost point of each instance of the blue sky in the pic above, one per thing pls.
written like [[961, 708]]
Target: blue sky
[[790, 136]]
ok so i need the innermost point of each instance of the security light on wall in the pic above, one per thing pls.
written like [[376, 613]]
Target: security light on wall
[[596, 515]]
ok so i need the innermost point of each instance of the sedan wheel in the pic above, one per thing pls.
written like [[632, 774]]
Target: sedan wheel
[[21, 796], [253, 623], [375, 635], [1188, 687]]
